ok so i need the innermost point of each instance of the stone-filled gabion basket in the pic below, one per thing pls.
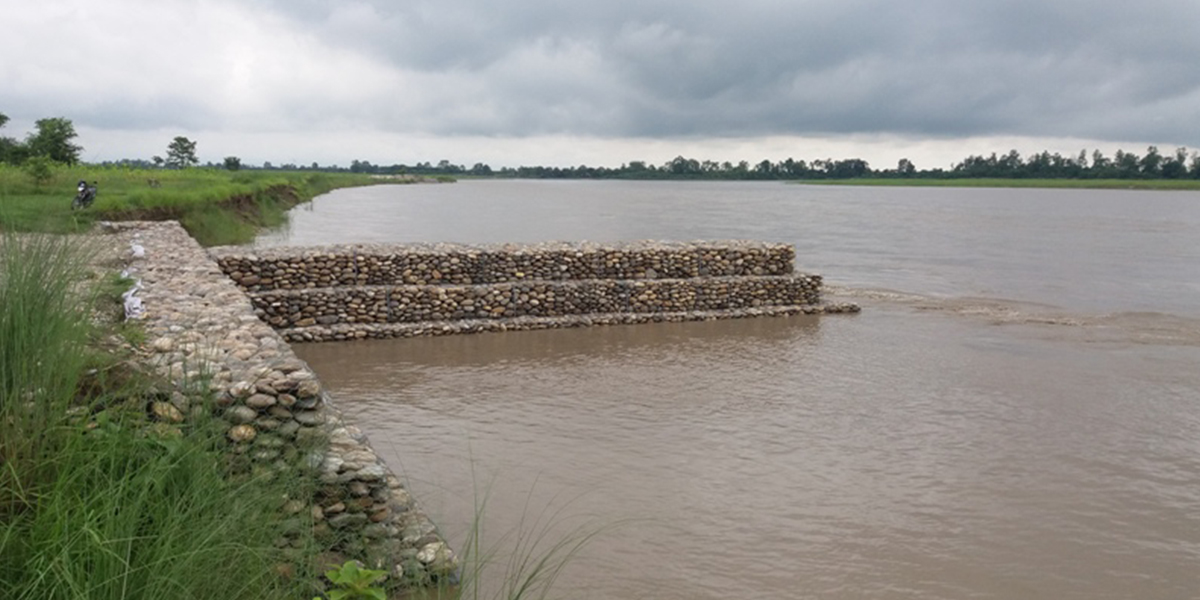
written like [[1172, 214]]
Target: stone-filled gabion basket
[[379, 291], [262, 269]]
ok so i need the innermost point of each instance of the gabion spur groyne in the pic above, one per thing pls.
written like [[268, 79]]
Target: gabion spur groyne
[[221, 319], [380, 291]]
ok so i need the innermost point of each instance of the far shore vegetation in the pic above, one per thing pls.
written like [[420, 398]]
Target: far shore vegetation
[[997, 182], [1179, 169], [229, 202]]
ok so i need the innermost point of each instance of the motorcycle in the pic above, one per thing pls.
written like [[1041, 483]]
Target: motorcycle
[[86, 194]]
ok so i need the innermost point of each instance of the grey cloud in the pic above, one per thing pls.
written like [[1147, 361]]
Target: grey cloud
[[937, 68], [646, 68]]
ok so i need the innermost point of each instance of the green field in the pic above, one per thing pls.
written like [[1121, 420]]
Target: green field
[[216, 206], [1100, 184]]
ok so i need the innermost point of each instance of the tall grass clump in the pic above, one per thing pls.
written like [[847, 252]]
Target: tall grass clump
[[524, 562], [130, 515], [97, 501], [43, 334]]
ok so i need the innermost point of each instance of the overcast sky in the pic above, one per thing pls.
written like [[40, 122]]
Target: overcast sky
[[602, 82]]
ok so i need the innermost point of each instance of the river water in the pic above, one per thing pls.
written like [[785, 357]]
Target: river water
[[1014, 414]]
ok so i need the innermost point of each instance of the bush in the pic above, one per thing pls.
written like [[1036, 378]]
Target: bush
[[40, 169]]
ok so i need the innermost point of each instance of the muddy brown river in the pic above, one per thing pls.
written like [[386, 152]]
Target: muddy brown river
[[1015, 413]]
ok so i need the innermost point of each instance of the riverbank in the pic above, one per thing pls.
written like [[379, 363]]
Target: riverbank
[[1098, 184], [216, 207], [244, 472]]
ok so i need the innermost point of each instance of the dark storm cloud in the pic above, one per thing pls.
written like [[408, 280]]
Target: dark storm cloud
[[938, 68], [383, 73]]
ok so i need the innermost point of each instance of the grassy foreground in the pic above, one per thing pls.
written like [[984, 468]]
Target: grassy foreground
[[216, 206], [1100, 184], [105, 497], [99, 499]]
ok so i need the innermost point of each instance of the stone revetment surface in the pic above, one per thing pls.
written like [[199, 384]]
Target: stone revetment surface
[[202, 330]]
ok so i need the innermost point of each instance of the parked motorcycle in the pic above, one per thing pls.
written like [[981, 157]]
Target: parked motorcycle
[[85, 195]]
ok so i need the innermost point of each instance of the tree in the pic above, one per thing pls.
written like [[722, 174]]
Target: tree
[[8, 146], [53, 140], [233, 163], [847, 169], [1126, 164], [181, 153], [1175, 167], [683, 166], [1151, 164]]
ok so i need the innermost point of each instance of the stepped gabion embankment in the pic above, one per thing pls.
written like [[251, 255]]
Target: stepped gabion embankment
[[413, 304], [380, 291], [261, 269], [202, 330], [356, 331]]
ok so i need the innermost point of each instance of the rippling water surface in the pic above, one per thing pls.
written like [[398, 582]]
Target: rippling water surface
[[1015, 414]]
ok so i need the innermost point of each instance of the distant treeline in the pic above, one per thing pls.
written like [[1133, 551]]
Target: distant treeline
[[53, 142], [1122, 165]]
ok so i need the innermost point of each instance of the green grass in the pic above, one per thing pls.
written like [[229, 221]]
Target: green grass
[[98, 502], [216, 206], [1106, 184], [524, 563]]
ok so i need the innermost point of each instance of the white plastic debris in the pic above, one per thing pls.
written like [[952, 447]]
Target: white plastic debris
[[133, 305], [134, 308], [138, 250], [137, 287]]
